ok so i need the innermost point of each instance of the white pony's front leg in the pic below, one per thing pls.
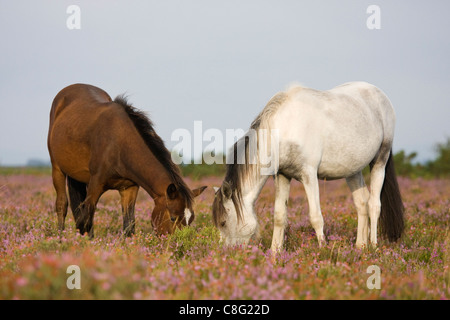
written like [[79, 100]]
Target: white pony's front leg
[[311, 184], [282, 186]]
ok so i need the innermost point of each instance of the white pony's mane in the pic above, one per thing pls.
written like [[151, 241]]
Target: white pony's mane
[[245, 165], [262, 121]]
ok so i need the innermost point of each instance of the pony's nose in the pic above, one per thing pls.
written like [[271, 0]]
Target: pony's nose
[[188, 216]]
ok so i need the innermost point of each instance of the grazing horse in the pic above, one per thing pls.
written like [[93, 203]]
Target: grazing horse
[[328, 135], [96, 144]]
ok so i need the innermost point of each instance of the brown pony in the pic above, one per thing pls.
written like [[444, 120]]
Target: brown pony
[[97, 144]]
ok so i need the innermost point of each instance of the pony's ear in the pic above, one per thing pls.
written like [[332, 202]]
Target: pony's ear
[[198, 191], [226, 190], [172, 191], [215, 189]]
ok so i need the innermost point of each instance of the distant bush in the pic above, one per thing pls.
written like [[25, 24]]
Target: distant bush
[[439, 167], [197, 171], [405, 167]]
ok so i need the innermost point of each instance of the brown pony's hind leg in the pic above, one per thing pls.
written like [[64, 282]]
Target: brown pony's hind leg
[[85, 222], [77, 194], [128, 200], [59, 182]]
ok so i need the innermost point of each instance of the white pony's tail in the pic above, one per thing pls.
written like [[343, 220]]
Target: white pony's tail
[[392, 209]]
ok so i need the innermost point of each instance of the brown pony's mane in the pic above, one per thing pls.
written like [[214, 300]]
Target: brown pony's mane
[[156, 145]]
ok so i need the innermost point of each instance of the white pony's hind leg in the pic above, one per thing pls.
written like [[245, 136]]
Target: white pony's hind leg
[[360, 195], [282, 186], [377, 175], [376, 183], [311, 184]]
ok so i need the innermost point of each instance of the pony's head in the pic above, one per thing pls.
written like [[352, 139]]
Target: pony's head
[[173, 204], [174, 209], [233, 217]]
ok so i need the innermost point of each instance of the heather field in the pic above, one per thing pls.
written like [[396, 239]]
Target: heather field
[[191, 264]]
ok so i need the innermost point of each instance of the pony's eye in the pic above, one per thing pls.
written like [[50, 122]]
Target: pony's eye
[[222, 224], [173, 219]]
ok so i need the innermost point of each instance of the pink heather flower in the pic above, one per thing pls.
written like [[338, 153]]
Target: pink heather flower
[[22, 282]]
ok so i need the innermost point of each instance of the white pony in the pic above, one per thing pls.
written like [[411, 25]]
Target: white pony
[[321, 135]]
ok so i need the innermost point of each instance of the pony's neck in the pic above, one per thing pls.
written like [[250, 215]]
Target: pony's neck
[[155, 182], [249, 192], [253, 173], [252, 188], [148, 173]]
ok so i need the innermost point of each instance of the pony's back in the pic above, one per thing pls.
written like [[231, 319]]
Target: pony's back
[[78, 91]]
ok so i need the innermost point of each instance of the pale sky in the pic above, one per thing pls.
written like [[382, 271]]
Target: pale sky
[[219, 62]]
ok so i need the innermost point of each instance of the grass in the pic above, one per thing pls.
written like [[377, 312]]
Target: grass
[[9, 171], [191, 263]]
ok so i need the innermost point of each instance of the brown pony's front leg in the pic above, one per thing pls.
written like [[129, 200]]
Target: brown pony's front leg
[[85, 218], [128, 200], [59, 182], [85, 221]]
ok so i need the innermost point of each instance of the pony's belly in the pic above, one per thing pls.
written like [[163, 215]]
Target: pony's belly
[[342, 160], [73, 162], [343, 166], [77, 173], [336, 172]]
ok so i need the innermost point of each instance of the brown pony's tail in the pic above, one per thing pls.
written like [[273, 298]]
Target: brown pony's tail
[[77, 194], [392, 209]]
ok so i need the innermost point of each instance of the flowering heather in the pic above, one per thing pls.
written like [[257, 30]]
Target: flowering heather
[[191, 264]]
